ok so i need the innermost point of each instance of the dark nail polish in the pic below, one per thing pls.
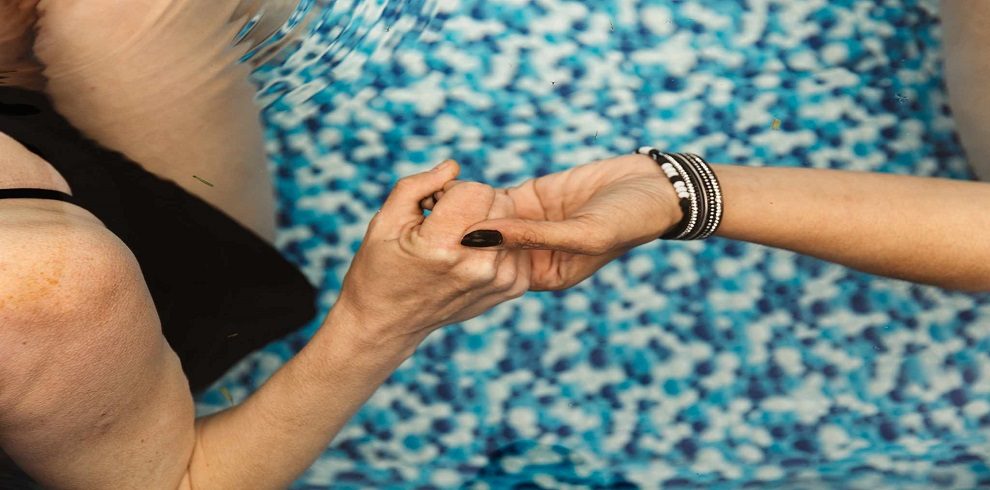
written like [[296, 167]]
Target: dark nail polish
[[482, 238]]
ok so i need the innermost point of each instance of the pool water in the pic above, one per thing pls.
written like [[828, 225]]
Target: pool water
[[682, 365]]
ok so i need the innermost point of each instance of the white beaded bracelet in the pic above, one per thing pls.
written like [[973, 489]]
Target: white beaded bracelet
[[697, 189]]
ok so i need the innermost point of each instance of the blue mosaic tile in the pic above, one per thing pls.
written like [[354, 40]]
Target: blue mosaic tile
[[682, 365]]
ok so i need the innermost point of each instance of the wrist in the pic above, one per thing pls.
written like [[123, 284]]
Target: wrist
[[670, 211], [672, 207], [354, 337], [698, 191]]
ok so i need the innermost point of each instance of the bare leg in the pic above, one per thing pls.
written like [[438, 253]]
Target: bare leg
[[158, 81], [966, 36]]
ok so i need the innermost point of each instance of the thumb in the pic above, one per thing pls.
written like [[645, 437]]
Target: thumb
[[578, 235]]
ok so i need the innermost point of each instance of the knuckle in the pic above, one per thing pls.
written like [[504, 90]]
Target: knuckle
[[485, 273], [518, 288], [476, 189], [403, 184], [446, 258], [556, 282], [375, 219], [477, 273], [460, 275], [504, 280], [474, 186]]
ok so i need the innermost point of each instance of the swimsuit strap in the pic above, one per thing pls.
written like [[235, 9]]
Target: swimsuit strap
[[36, 194]]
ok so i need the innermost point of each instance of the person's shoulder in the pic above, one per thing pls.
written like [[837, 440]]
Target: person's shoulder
[[57, 262], [83, 363], [66, 289]]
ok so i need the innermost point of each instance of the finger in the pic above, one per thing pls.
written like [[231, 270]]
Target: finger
[[451, 184], [462, 206], [428, 203], [524, 268], [502, 207], [403, 204], [575, 271], [577, 235], [439, 195], [431, 201]]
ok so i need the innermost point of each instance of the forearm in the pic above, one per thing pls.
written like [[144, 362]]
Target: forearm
[[270, 439], [926, 230]]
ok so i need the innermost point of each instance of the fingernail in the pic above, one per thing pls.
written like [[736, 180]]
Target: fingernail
[[443, 166], [482, 238]]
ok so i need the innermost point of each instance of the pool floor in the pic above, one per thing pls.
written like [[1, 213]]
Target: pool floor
[[682, 365]]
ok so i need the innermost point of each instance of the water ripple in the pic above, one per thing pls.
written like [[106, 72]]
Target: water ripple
[[323, 39]]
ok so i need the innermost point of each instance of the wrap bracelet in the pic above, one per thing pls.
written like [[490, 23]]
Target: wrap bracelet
[[698, 191]]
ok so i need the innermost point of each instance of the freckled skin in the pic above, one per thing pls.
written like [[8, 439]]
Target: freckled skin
[[37, 292], [103, 365], [85, 372]]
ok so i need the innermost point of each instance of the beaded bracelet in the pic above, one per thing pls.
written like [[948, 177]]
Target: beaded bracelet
[[698, 191], [714, 195]]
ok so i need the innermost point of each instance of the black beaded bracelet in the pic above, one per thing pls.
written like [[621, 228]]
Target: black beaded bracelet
[[697, 189], [713, 195]]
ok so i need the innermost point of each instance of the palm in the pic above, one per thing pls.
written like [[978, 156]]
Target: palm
[[612, 194], [548, 268]]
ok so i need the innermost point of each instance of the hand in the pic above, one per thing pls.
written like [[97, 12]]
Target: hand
[[580, 219], [411, 274]]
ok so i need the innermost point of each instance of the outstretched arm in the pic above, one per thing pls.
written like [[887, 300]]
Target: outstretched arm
[[934, 231], [927, 230]]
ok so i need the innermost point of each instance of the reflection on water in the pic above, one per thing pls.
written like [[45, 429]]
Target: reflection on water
[[322, 38], [264, 23], [316, 36]]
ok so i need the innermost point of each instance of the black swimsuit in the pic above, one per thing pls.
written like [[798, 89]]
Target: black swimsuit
[[220, 290]]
